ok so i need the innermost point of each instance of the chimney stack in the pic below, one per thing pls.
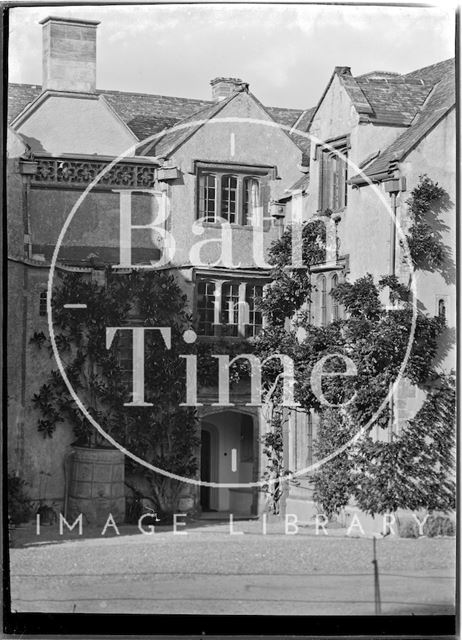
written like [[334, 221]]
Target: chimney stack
[[69, 54], [224, 87]]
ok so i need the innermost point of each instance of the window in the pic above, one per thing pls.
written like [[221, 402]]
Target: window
[[210, 188], [335, 306], [206, 307], [251, 200], [442, 309], [234, 194], [229, 198], [228, 308], [322, 284], [254, 294], [333, 175], [43, 303], [328, 308], [229, 317]]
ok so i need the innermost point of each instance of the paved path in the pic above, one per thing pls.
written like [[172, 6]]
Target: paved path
[[210, 571]]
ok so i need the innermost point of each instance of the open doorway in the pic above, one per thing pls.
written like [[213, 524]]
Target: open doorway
[[229, 455]]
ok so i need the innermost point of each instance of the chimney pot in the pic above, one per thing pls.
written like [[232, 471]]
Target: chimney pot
[[222, 88], [69, 54]]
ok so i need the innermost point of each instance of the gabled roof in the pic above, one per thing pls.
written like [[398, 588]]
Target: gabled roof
[[173, 139], [145, 114], [439, 102], [387, 98]]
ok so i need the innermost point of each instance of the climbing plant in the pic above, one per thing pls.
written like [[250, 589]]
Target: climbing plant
[[411, 469], [428, 200], [164, 434]]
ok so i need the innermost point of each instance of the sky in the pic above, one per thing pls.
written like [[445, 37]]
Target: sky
[[286, 53]]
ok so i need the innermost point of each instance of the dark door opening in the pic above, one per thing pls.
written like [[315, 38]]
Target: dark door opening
[[205, 468]]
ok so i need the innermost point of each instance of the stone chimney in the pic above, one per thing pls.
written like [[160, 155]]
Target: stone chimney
[[224, 87], [69, 54]]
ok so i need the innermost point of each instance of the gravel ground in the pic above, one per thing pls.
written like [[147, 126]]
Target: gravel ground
[[210, 571]]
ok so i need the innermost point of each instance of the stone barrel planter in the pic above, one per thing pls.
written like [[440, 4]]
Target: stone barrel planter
[[96, 486]]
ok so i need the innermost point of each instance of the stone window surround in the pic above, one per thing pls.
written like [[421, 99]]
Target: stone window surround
[[341, 144], [219, 279], [262, 173]]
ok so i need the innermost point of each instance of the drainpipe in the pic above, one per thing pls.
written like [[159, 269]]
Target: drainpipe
[[393, 187]]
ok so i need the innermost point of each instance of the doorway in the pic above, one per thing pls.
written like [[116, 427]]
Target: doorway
[[205, 468], [229, 452]]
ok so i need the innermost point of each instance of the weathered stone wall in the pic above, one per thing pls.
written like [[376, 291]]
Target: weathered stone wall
[[254, 144], [79, 125], [435, 156]]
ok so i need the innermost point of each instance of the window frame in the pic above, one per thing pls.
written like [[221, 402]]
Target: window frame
[[242, 310], [262, 174], [326, 309], [43, 303], [329, 198]]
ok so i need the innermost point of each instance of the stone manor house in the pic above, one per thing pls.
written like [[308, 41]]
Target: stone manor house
[[231, 158]]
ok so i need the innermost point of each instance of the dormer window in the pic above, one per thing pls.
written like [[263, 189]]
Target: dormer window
[[239, 195]]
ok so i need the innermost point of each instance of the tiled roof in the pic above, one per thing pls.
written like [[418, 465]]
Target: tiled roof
[[393, 100], [432, 73], [286, 117], [302, 183], [144, 113], [19, 96], [439, 102], [147, 114]]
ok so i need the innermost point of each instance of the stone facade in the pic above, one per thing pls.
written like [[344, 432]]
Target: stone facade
[[64, 134]]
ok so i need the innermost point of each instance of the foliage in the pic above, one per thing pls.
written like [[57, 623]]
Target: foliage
[[434, 525], [164, 434], [290, 288], [19, 503], [414, 469], [427, 201], [274, 473], [334, 483]]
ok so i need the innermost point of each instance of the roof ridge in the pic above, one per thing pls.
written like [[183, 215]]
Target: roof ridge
[[151, 95], [394, 80]]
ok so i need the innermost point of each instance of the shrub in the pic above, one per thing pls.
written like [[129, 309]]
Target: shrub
[[19, 503], [439, 526], [435, 525]]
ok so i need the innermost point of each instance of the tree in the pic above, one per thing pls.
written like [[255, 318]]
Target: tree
[[165, 434], [410, 470]]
